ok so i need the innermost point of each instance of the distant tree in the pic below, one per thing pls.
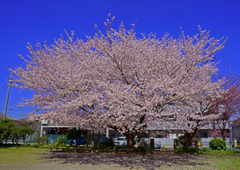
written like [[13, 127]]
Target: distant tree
[[6, 127], [15, 134], [74, 134], [229, 106], [25, 131]]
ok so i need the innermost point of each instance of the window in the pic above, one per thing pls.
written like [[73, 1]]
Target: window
[[203, 134], [161, 135]]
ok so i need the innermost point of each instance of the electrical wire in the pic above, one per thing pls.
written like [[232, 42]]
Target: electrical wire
[[3, 86], [3, 90]]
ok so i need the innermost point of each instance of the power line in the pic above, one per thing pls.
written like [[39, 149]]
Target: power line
[[3, 90], [3, 86]]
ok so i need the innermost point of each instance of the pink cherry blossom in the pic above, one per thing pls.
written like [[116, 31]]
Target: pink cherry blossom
[[117, 80]]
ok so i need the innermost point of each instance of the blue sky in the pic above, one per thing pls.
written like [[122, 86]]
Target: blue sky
[[33, 21]]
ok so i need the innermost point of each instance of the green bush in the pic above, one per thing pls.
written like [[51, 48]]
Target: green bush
[[107, 144], [117, 147], [204, 150], [217, 144], [56, 145], [44, 146], [27, 144], [41, 140], [185, 149], [149, 149], [35, 145], [61, 140], [139, 149]]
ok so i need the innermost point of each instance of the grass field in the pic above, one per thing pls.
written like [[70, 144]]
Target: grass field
[[36, 158], [18, 157]]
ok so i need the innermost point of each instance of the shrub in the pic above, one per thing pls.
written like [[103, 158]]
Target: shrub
[[149, 149], [28, 144], [56, 145], [44, 146], [185, 149], [61, 140], [35, 145], [117, 147], [51, 146], [217, 144], [203, 150], [107, 144], [140, 149], [41, 140]]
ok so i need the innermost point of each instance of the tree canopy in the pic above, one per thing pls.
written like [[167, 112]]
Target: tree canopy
[[123, 82]]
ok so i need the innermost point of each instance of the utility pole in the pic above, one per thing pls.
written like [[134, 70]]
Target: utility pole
[[228, 69], [5, 112]]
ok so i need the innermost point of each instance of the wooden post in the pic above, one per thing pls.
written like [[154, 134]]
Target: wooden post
[[152, 143], [175, 143]]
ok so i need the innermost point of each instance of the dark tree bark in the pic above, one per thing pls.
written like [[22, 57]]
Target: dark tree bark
[[130, 140]]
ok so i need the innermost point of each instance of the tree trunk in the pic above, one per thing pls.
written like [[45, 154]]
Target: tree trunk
[[6, 141], [16, 140], [24, 140], [76, 146], [189, 140], [190, 137], [130, 140], [223, 135], [12, 140]]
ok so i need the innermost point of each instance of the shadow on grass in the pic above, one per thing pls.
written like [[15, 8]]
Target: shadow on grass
[[129, 161]]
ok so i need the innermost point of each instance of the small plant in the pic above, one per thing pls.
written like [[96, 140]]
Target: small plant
[[50, 145], [61, 140], [217, 144], [57, 145], [35, 145], [44, 146], [107, 144], [41, 140], [185, 149], [149, 149], [203, 150], [27, 144], [117, 147]]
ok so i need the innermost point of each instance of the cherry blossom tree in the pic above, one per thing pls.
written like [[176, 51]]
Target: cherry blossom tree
[[229, 105], [117, 80], [224, 107]]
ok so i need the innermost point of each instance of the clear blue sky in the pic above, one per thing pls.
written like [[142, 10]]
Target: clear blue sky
[[33, 21]]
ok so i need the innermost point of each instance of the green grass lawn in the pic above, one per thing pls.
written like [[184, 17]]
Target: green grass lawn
[[19, 158], [224, 160], [16, 157]]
